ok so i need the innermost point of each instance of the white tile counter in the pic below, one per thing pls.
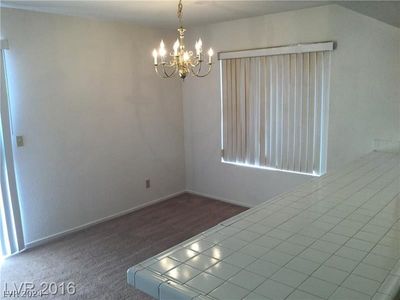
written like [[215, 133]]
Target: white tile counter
[[336, 237]]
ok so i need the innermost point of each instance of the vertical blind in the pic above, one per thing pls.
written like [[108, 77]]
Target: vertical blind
[[274, 111], [11, 236]]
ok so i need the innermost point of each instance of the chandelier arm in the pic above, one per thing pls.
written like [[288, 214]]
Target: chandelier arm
[[195, 62], [169, 75], [197, 74], [158, 73], [193, 66], [164, 73], [171, 64], [198, 63]]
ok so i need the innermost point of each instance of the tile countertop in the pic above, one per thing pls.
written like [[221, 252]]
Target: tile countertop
[[336, 237]]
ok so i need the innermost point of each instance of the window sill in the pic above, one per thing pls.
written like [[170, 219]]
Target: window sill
[[269, 168]]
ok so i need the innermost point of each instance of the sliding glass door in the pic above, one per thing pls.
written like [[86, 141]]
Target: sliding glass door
[[11, 236]]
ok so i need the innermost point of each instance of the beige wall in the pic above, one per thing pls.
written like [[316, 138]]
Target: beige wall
[[364, 97], [96, 119]]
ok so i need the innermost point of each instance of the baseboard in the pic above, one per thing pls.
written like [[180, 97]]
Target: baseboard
[[62, 234], [218, 198]]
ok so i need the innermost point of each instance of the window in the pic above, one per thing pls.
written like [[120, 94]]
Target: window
[[275, 107]]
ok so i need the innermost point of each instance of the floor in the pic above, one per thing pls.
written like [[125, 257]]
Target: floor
[[96, 259]]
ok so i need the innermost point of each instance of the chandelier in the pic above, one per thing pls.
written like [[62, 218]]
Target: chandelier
[[181, 61]]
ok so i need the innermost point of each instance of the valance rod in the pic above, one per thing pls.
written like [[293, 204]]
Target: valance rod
[[291, 49]]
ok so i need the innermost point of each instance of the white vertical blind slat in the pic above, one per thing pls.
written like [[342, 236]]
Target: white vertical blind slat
[[247, 111], [305, 110], [253, 111], [234, 96], [273, 104], [258, 110], [227, 89], [317, 116], [279, 115], [292, 113], [298, 112], [237, 109], [267, 110], [325, 109], [262, 82], [225, 78], [242, 113], [285, 111], [311, 111]]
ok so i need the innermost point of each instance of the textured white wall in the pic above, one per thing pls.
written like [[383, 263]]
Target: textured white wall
[[364, 96], [365, 85], [96, 119]]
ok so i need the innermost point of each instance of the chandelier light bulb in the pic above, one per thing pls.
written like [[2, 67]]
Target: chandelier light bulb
[[210, 54], [198, 46], [162, 50], [155, 56], [186, 56], [176, 47]]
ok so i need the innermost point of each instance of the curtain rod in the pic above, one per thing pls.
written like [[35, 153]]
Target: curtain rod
[[287, 49]]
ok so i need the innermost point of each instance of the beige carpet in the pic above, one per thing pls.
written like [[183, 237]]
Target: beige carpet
[[96, 259]]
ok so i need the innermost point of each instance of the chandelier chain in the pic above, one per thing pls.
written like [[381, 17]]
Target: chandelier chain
[[180, 13]]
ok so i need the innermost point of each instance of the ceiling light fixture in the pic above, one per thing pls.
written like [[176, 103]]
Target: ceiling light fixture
[[182, 61]]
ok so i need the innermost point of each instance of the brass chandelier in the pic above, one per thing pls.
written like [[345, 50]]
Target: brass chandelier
[[182, 61]]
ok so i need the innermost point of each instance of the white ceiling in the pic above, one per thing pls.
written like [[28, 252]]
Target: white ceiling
[[196, 12]]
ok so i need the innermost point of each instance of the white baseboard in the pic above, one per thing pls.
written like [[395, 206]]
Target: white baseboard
[[218, 198], [95, 222]]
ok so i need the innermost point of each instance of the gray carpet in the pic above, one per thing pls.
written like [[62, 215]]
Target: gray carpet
[[96, 259]]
